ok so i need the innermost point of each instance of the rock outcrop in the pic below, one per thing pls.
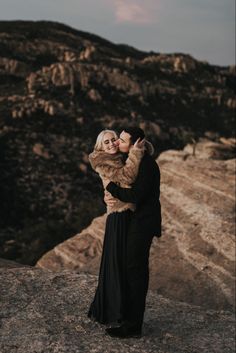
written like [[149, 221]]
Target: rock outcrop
[[205, 149], [79, 253], [46, 312], [194, 261], [13, 67]]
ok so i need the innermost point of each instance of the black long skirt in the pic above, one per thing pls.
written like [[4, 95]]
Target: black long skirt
[[108, 304]]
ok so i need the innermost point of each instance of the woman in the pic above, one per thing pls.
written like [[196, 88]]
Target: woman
[[108, 305]]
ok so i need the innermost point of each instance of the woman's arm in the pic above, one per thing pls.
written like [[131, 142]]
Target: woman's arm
[[128, 172]]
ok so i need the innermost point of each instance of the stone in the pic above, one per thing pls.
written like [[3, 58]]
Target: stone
[[231, 103], [206, 149], [94, 95], [70, 56], [184, 64], [13, 67], [89, 53], [129, 61], [39, 149]]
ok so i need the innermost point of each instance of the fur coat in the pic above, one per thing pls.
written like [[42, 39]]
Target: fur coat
[[111, 167]]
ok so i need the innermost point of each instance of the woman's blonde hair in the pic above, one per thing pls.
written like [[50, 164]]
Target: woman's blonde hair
[[98, 145]]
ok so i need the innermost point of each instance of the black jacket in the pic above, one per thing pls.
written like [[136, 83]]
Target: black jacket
[[145, 193]]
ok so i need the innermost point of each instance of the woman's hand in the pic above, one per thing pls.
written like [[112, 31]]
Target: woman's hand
[[109, 199]]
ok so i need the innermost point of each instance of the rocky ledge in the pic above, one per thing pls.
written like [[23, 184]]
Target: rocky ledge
[[194, 260], [46, 312]]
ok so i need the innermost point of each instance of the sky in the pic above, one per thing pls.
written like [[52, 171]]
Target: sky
[[204, 29]]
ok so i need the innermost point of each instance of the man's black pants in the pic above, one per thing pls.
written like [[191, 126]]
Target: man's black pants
[[137, 275]]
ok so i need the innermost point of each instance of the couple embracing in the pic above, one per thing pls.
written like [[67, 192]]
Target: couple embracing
[[131, 180]]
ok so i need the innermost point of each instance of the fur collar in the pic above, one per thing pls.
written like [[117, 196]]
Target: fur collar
[[101, 158]]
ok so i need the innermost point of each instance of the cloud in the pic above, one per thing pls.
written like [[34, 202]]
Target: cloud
[[132, 11]]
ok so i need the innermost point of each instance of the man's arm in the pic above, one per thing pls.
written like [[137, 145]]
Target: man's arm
[[141, 188]]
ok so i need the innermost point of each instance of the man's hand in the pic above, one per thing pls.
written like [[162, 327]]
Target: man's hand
[[109, 199], [139, 143]]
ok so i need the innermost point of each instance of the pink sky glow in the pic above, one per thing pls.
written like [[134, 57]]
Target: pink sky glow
[[133, 11]]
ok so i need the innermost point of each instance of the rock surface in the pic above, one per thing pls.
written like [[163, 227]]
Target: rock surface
[[79, 253], [11, 264], [205, 149], [194, 261], [46, 312]]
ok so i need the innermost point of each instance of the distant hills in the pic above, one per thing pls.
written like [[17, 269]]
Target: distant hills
[[58, 88]]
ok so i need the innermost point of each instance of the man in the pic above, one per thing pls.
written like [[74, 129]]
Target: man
[[145, 223]]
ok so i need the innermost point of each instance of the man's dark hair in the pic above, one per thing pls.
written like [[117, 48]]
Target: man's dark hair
[[135, 133]]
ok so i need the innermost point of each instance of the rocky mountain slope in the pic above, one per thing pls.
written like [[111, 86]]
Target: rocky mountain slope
[[194, 260], [46, 312], [58, 88]]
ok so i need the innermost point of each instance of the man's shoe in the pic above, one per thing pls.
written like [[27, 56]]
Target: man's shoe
[[124, 332]]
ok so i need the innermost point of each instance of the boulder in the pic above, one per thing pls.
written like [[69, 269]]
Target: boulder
[[205, 149], [184, 64], [13, 67], [94, 95], [89, 53]]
